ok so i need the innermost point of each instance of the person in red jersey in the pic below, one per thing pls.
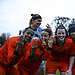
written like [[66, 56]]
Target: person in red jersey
[[2, 42], [71, 70], [13, 51], [33, 57], [59, 57], [2, 68], [47, 41]]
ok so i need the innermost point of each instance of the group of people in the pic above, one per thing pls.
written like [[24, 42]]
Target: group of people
[[23, 54]]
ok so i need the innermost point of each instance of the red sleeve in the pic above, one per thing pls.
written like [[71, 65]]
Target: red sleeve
[[27, 51], [46, 53], [71, 44], [1, 55], [9, 48]]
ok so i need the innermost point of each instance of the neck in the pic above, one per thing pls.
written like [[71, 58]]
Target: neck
[[61, 43]]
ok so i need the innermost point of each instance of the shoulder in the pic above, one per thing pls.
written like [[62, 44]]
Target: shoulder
[[27, 28], [13, 40], [69, 40]]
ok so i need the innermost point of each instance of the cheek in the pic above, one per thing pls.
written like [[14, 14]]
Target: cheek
[[27, 36]]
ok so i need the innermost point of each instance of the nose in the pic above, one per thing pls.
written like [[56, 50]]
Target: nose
[[29, 35], [61, 34]]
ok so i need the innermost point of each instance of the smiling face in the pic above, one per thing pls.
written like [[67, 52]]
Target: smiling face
[[28, 34], [61, 34], [45, 35]]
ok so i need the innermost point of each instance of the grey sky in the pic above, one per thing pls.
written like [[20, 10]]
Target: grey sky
[[15, 14]]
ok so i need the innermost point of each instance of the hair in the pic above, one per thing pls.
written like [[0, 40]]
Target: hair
[[28, 29], [34, 17], [49, 31]]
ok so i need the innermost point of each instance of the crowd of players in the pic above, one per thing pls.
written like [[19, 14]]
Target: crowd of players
[[37, 51]]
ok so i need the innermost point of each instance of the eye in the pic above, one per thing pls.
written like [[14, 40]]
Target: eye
[[30, 33], [45, 35], [58, 33], [39, 20], [63, 33]]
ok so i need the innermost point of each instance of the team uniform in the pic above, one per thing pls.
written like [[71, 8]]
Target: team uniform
[[9, 56], [32, 59], [71, 30], [58, 58], [2, 42], [2, 67], [72, 53]]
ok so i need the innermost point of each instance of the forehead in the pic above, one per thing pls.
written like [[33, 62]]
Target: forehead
[[38, 20], [61, 30]]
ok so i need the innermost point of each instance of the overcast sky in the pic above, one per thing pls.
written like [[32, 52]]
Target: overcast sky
[[15, 14]]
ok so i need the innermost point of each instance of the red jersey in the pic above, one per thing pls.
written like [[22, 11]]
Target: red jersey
[[59, 57], [32, 58], [72, 50], [59, 52], [8, 54]]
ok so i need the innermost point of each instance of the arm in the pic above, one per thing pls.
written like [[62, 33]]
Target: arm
[[15, 50], [71, 63], [72, 58]]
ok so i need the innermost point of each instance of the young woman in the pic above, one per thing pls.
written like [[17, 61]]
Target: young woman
[[71, 69], [13, 51], [35, 23], [59, 58], [47, 41]]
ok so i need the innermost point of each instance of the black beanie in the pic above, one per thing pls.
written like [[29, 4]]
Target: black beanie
[[36, 16], [71, 28]]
